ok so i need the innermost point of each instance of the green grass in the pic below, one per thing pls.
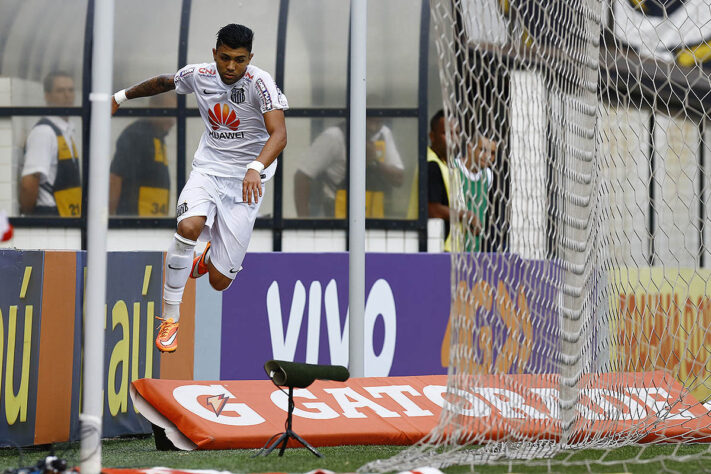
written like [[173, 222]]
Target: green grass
[[141, 452]]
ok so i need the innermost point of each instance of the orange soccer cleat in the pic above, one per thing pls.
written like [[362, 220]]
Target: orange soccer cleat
[[200, 263], [167, 340]]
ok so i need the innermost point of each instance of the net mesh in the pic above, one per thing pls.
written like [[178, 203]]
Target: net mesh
[[580, 316]]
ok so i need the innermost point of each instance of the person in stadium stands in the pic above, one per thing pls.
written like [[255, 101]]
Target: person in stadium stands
[[325, 166], [50, 183], [243, 112], [438, 175], [474, 175], [140, 180]]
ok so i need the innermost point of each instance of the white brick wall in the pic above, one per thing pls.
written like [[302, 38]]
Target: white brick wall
[[139, 239], [44, 239], [313, 240], [435, 235], [376, 240], [391, 241], [261, 241]]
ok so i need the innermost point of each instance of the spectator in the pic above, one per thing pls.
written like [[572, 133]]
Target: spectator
[[140, 180], [438, 191], [51, 179], [326, 163], [473, 177]]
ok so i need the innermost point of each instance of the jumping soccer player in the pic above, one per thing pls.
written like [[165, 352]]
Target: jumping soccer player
[[243, 112]]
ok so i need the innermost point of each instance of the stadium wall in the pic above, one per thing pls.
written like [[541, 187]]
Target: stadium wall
[[41, 307], [230, 334], [293, 240], [289, 306]]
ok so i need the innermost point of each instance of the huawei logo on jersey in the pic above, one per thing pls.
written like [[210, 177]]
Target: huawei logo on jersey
[[223, 115]]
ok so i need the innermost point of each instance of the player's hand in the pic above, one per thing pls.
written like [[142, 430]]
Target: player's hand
[[472, 222], [251, 187], [114, 105]]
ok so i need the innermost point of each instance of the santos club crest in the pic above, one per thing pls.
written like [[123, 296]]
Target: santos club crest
[[237, 95]]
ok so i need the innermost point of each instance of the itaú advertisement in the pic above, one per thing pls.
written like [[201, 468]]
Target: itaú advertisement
[[20, 314], [295, 307], [663, 322], [401, 410]]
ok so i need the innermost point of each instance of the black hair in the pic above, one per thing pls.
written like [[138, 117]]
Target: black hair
[[235, 36], [435, 118], [48, 82]]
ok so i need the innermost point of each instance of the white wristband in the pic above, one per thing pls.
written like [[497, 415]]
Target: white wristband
[[120, 97], [257, 166]]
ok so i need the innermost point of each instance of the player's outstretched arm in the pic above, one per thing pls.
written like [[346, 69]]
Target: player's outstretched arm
[[154, 85]]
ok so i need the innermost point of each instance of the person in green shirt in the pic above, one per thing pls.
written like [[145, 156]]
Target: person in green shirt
[[474, 177]]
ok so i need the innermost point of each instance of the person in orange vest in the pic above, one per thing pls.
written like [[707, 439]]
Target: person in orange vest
[[438, 192], [51, 176], [140, 179]]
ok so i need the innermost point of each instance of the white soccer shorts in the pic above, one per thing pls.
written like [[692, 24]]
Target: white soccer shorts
[[229, 221]]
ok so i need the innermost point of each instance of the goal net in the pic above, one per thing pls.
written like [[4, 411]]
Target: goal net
[[580, 312]]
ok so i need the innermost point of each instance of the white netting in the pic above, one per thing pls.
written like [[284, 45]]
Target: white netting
[[580, 316]]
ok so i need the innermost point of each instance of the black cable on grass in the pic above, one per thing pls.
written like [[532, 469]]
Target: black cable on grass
[[269, 441]]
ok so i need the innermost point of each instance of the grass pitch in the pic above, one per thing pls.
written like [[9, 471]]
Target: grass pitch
[[141, 453]]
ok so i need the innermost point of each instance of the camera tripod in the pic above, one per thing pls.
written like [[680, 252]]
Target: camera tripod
[[287, 434]]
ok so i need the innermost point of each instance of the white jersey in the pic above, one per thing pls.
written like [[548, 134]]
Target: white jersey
[[233, 115]]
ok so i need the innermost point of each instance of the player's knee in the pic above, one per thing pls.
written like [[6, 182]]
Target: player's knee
[[190, 228], [219, 282]]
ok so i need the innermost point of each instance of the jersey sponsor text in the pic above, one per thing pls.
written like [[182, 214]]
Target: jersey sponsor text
[[226, 135]]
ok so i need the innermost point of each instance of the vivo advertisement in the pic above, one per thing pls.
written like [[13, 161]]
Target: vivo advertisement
[[294, 307]]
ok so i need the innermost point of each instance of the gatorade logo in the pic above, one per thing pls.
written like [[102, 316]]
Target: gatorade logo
[[217, 403], [223, 408], [223, 116]]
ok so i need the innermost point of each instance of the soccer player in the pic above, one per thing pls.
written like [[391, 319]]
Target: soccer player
[[243, 112]]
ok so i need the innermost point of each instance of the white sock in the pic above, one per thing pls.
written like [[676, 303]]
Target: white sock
[[171, 310], [178, 264]]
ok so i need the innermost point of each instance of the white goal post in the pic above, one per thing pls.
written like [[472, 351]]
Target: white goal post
[[580, 310]]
